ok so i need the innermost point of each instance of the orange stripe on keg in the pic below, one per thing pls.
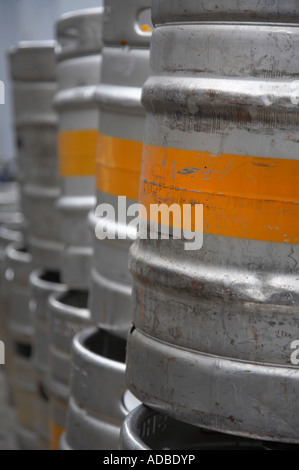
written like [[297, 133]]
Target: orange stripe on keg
[[118, 166], [243, 196], [55, 435], [77, 152]]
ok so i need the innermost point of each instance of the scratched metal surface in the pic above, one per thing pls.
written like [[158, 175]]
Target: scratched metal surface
[[145, 429], [214, 326]]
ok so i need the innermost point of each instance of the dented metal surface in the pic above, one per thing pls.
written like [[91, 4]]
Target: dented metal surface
[[94, 419], [34, 84], [216, 325], [79, 37], [125, 68]]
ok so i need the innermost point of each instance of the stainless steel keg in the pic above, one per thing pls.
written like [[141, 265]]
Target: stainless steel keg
[[7, 236], [18, 343], [34, 83], [216, 326], [79, 37], [99, 400], [42, 284], [68, 314], [125, 68]]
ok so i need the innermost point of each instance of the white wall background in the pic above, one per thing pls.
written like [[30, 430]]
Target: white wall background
[[26, 20]]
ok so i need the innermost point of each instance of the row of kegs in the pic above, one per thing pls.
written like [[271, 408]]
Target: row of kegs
[[154, 344]]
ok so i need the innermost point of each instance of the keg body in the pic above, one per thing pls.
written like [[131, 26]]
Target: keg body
[[125, 68], [218, 322], [7, 236], [79, 35], [18, 343], [34, 85]]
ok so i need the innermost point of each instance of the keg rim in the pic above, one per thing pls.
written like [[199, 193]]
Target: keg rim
[[79, 348], [58, 306], [36, 281], [79, 13], [18, 251], [35, 45]]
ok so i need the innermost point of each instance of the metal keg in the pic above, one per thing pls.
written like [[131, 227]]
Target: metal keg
[[18, 343], [124, 70], [79, 36], [7, 236], [98, 366], [215, 326], [68, 314], [146, 429], [34, 84], [42, 284]]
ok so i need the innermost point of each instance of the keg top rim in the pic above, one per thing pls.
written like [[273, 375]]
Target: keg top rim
[[253, 11], [17, 251], [79, 33], [79, 14], [37, 280], [33, 45], [79, 347]]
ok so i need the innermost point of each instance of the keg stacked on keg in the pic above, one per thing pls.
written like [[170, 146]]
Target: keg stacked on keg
[[78, 57], [99, 399], [11, 223], [208, 329], [34, 84], [11, 226], [213, 327]]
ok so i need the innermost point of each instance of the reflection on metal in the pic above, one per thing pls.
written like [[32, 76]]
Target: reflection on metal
[[145, 429]]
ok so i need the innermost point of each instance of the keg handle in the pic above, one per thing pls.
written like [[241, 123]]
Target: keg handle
[[67, 39], [143, 22], [133, 24]]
